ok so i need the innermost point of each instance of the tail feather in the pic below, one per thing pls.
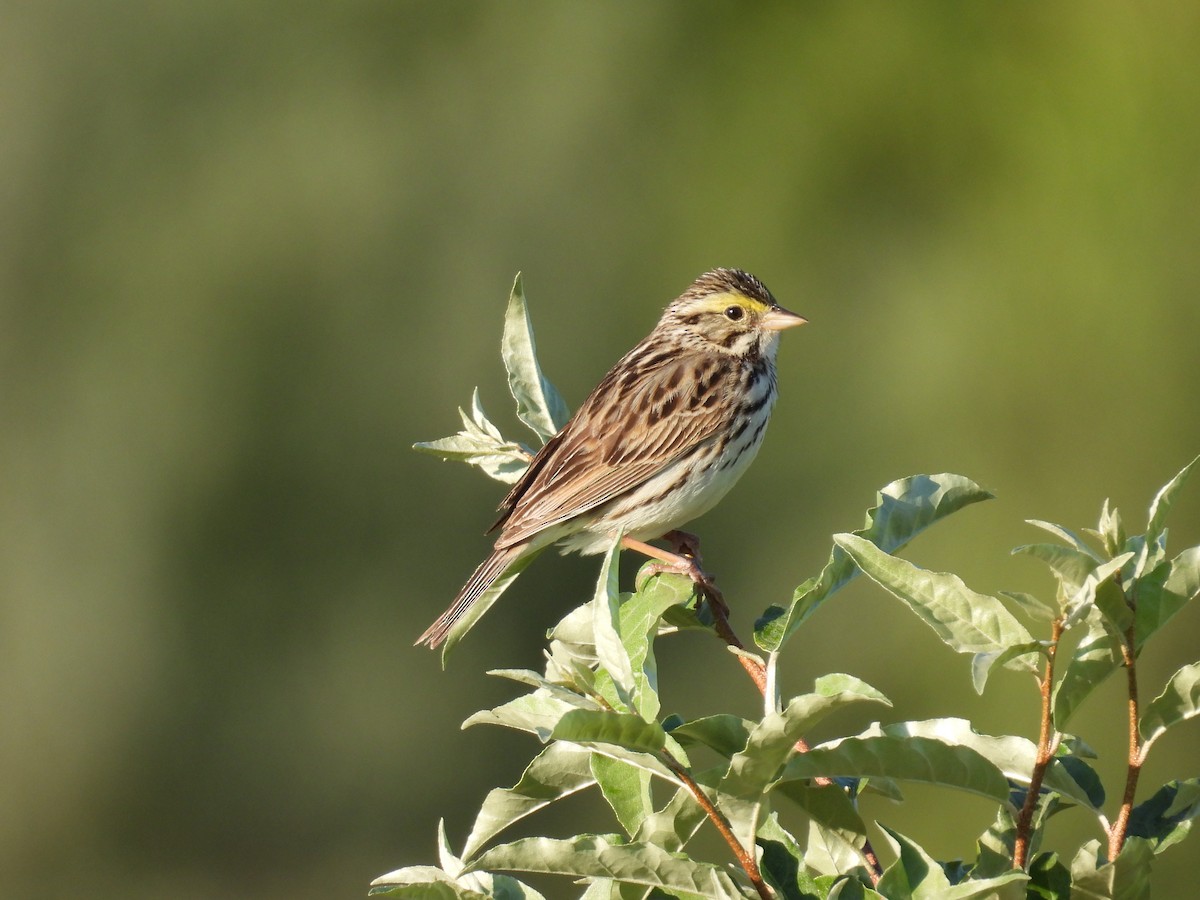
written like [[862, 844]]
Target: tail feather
[[489, 571]]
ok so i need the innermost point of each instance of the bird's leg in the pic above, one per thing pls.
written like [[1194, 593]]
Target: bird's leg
[[684, 561]]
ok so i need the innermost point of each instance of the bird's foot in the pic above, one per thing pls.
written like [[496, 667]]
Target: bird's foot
[[684, 561]]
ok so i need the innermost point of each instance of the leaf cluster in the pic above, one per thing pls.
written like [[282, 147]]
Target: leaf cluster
[[789, 811]]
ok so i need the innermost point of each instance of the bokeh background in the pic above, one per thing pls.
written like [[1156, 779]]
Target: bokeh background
[[249, 253]]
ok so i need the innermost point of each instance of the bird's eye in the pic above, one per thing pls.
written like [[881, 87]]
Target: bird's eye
[[734, 313]]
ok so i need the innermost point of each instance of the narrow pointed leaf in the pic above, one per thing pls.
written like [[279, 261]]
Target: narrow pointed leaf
[[968, 622], [675, 824], [1035, 607], [537, 713], [1096, 657], [1165, 591], [560, 770], [614, 658], [599, 856], [539, 405], [1067, 536], [1163, 501], [421, 883], [903, 510], [982, 663], [1012, 755], [1069, 565], [1179, 701], [924, 760], [626, 790], [602, 727]]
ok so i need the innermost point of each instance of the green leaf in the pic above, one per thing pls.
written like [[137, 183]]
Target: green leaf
[[904, 509], [611, 652], [479, 608], [537, 713], [602, 727], [1096, 657], [1179, 701], [982, 663], [1012, 755], [920, 759], [1165, 591], [675, 824], [915, 875], [626, 789], [1125, 878], [1049, 879], [1111, 529], [1068, 537], [773, 740], [1164, 500], [599, 856], [725, 733], [1034, 607], [1166, 818], [827, 827], [639, 621], [421, 883], [480, 444], [560, 770], [968, 622], [783, 863], [539, 405], [1070, 566]]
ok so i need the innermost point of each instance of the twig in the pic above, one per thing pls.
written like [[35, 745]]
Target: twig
[[1045, 752], [744, 857], [1116, 835], [758, 675]]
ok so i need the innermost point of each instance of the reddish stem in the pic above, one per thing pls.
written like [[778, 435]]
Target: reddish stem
[[1045, 753]]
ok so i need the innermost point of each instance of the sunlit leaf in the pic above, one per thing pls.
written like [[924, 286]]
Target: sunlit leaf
[[611, 652], [626, 790], [539, 405], [915, 875], [1163, 501], [968, 622], [1166, 590], [1049, 879], [560, 770], [599, 856], [421, 883], [674, 825], [1125, 878], [919, 759], [1069, 565], [537, 713], [725, 733], [1112, 529], [1179, 701], [1068, 537], [982, 663], [1035, 607], [1011, 754], [603, 727], [904, 509], [480, 444]]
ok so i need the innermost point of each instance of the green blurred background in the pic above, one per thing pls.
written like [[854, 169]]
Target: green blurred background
[[251, 252]]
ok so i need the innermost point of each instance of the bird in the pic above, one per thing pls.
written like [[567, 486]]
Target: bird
[[658, 442]]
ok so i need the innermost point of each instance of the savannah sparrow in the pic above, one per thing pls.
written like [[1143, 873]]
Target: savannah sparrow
[[660, 440]]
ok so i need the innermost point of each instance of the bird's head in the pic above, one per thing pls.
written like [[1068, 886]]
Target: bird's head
[[732, 311]]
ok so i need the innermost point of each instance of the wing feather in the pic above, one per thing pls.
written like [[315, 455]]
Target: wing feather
[[610, 447]]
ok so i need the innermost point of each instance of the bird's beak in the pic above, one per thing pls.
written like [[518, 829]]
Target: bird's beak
[[778, 318]]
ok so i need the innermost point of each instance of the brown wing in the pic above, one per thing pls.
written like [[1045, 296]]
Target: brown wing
[[647, 412]]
